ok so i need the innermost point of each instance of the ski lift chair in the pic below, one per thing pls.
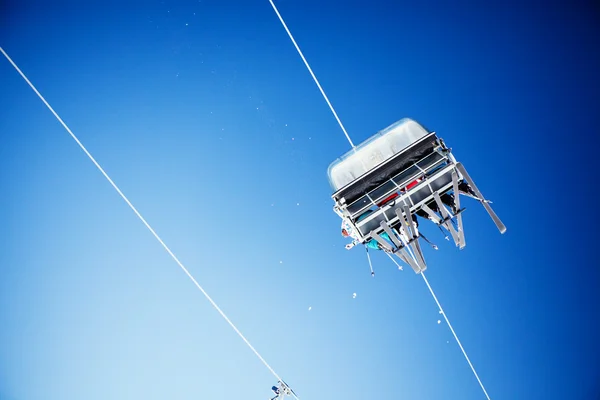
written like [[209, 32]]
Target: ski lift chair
[[372, 178]]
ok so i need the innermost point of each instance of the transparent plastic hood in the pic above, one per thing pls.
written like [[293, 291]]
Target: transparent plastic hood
[[372, 152]]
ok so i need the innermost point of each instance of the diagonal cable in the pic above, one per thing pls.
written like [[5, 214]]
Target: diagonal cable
[[311, 73], [455, 335], [142, 219]]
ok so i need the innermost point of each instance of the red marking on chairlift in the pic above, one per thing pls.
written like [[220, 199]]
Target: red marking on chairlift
[[387, 199], [413, 184]]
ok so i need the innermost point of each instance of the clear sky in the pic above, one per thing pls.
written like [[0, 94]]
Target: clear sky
[[205, 116]]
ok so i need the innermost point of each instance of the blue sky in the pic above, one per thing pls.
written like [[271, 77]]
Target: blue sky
[[205, 116]]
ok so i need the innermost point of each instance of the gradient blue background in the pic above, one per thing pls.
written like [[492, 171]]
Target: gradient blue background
[[204, 115]]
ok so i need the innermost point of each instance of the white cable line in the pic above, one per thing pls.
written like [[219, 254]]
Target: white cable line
[[352, 144], [142, 218], [455, 336], [311, 73]]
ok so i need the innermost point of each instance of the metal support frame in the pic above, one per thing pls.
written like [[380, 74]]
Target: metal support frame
[[398, 186], [410, 228], [461, 232], [405, 239], [501, 227], [447, 217], [401, 241], [402, 198], [382, 242], [391, 234]]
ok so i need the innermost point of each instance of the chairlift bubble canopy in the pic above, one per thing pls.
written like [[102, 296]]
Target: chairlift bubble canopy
[[374, 151]]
